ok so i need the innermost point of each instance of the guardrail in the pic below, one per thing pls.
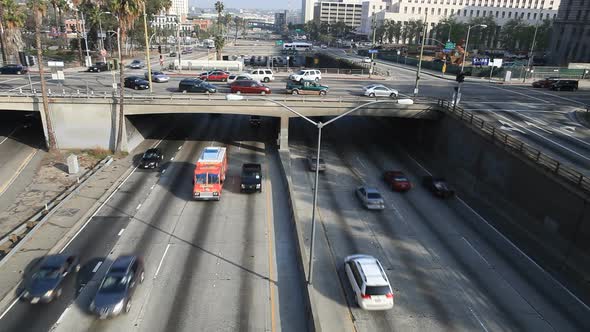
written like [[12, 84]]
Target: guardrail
[[565, 172]]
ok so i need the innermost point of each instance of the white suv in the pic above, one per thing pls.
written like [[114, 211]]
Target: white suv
[[369, 282], [262, 75], [306, 75]]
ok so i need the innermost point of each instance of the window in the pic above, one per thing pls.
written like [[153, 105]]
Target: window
[[477, 13], [470, 13], [528, 16], [405, 10], [438, 11], [445, 12], [413, 10], [419, 10]]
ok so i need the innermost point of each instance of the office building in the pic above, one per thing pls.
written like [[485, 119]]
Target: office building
[[280, 21], [332, 11], [307, 10], [571, 35]]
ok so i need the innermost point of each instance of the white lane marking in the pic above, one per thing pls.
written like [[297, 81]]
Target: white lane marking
[[62, 316], [121, 231], [97, 267], [477, 252], [137, 208], [559, 130], [564, 98], [520, 93], [13, 79], [361, 162], [9, 307], [161, 261], [171, 159], [478, 320], [545, 138], [4, 187], [152, 187], [24, 86], [180, 147], [8, 136], [512, 110], [163, 171]]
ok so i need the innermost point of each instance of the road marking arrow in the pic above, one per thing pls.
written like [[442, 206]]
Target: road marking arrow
[[530, 124], [508, 127]]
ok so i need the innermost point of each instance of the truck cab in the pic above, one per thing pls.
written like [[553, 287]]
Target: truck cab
[[209, 174], [251, 178]]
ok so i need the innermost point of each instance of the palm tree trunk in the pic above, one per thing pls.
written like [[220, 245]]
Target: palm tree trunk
[[119, 145], [80, 56], [50, 141], [62, 33], [2, 40]]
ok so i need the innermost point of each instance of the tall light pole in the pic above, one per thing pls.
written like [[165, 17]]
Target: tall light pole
[[101, 34], [373, 45], [147, 47], [531, 55], [467, 42], [424, 32], [87, 61], [319, 125]]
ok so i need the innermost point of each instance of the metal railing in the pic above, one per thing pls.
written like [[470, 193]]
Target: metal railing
[[567, 173]]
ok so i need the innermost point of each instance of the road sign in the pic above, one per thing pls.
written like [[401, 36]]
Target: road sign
[[450, 46], [373, 51], [496, 63], [480, 61], [279, 43]]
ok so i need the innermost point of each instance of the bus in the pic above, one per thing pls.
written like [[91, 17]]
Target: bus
[[302, 47], [209, 43], [209, 174]]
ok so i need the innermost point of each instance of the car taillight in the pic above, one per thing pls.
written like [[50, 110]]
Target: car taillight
[[365, 296], [389, 295]]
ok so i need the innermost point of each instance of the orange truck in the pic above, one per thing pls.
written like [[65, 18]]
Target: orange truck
[[210, 173]]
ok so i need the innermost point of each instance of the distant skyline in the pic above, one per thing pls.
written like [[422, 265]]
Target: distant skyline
[[252, 4]]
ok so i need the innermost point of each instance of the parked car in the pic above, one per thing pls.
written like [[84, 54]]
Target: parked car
[[116, 289], [438, 186], [196, 85], [369, 282], [45, 284], [14, 69], [158, 77], [239, 77], [263, 75], [151, 158], [215, 75], [312, 163], [370, 198], [561, 85], [545, 83], [306, 75], [323, 46], [249, 87], [136, 82], [98, 67], [379, 91], [251, 178], [397, 180], [172, 54], [306, 88], [136, 64]]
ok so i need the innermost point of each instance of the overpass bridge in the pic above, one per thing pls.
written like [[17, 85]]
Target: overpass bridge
[[91, 121]]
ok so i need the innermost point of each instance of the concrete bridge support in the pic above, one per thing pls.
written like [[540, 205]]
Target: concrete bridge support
[[284, 134]]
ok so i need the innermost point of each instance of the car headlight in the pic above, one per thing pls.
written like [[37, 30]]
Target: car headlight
[[258, 186], [197, 193], [118, 307], [92, 306], [243, 186], [215, 193], [48, 293]]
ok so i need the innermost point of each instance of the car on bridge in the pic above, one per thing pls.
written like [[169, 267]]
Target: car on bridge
[[136, 64], [136, 82], [438, 186], [215, 75], [151, 158], [249, 87], [45, 285], [14, 69], [158, 76], [397, 180], [306, 88], [239, 77], [312, 163], [379, 90], [370, 198], [196, 85], [561, 85], [544, 83], [369, 282], [306, 75], [98, 67]]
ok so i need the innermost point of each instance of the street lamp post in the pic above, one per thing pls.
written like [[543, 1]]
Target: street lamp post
[[147, 47], [531, 55], [319, 125], [467, 42], [88, 62], [424, 32]]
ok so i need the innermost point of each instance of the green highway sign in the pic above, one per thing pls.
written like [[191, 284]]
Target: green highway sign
[[450, 46], [279, 43]]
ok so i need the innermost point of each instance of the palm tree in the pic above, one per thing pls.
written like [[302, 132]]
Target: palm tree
[[39, 9], [12, 19], [237, 22], [219, 8], [126, 11], [219, 41], [76, 6], [62, 6]]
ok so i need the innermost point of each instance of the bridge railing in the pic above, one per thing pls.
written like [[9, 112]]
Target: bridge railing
[[568, 173]]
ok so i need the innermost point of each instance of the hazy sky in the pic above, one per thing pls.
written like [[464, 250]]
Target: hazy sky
[[262, 4]]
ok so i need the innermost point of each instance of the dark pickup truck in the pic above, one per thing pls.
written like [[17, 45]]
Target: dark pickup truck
[[251, 178]]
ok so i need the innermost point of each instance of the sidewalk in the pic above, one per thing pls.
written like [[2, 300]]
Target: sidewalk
[[61, 224]]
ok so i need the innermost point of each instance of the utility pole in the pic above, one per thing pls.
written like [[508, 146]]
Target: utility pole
[[424, 32], [374, 26], [178, 42], [147, 47], [530, 62], [87, 61]]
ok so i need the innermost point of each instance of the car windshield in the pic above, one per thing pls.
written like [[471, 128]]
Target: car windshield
[[113, 284], [135, 61], [315, 160], [150, 155], [377, 290], [374, 196], [201, 178], [301, 72], [400, 179], [47, 272], [252, 174], [213, 178]]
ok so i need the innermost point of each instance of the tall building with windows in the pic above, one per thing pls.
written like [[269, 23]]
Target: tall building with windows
[[179, 7], [571, 33], [332, 11], [307, 10]]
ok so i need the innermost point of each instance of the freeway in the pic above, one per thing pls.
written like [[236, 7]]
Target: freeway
[[228, 265]]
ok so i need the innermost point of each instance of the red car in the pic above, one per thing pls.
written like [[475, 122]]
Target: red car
[[216, 75], [249, 86], [397, 180]]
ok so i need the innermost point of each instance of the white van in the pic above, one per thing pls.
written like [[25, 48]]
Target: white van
[[263, 75], [306, 75]]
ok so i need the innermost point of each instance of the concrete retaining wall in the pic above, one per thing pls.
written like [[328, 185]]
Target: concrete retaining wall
[[545, 217]]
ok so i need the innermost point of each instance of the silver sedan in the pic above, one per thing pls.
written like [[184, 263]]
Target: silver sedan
[[370, 198], [379, 90], [158, 76]]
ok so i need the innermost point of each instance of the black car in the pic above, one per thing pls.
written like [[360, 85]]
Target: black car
[[438, 186], [14, 69], [45, 284], [98, 67], [151, 158], [172, 54], [560, 85], [545, 83], [136, 82], [251, 178], [117, 287], [196, 85]]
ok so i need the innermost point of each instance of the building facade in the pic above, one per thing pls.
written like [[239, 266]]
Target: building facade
[[280, 20], [571, 33], [331, 11], [179, 7], [307, 10]]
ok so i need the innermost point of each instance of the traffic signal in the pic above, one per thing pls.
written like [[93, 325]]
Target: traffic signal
[[460, 77], [22, 58], [160, 49], [31, 60]]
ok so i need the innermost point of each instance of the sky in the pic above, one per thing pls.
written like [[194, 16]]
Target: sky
[[259, 4]]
